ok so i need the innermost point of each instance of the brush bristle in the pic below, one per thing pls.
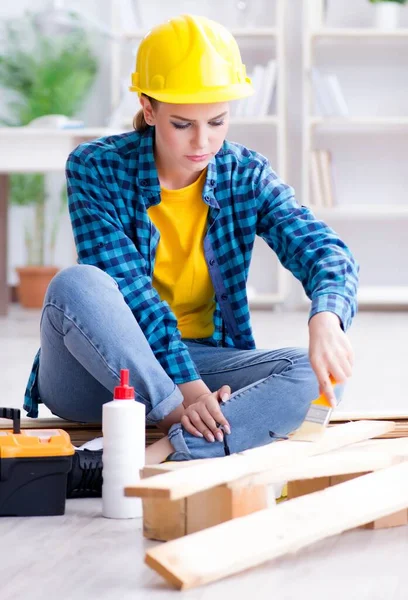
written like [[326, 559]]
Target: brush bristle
[[314, 424]]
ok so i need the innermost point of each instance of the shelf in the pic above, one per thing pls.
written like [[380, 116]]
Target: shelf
[[255, 32], [346, 124], [268, 120], [241, 32], [364, 211], [74, 132], [360, 33]]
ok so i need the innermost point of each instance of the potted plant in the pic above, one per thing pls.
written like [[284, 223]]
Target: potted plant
[[387, 13], [42, 74], [40, 240]]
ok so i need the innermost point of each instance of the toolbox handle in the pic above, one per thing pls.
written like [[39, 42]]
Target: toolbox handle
[[13, 414]]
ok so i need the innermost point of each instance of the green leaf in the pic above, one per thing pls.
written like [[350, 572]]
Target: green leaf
[[27, 189], [41, 75], [397, 1]]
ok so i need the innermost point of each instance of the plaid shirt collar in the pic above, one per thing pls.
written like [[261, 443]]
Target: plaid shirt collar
[[148, 180]]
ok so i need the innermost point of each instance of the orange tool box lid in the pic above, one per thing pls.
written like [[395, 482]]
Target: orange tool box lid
[[32, 443]]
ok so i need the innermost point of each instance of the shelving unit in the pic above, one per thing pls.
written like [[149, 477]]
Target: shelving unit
[[350, 124], [358, 32], [242, 129], [346, 128], [238, 33]]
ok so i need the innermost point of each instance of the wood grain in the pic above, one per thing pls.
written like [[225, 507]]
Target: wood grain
[[288, 527]]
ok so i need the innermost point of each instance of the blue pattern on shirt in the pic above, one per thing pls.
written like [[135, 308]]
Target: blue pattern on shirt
[[113, 181]]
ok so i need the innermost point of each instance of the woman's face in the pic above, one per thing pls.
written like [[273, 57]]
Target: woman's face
[[187, 135]]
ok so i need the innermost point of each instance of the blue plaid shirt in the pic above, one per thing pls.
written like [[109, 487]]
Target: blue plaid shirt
[[113, 181]]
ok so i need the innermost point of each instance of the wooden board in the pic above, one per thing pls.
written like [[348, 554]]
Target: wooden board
[[400, 418], [338, 416], [180, 483], [78, 432], [221, 504], [395, 446], [163, 520], [308, 486], [168, 520], [357, 458], [237, 545]]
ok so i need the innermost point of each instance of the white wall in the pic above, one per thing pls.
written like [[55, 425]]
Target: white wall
[[94, 112], [362, 163]]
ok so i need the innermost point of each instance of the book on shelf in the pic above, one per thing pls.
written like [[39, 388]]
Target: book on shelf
[[263, 79], [268, 88], [329, 97], [321, 179], [249, 105]]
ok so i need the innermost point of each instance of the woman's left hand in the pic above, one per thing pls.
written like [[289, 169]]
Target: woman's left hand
[[330, 352]]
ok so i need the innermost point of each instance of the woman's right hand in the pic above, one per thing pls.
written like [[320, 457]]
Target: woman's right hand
[[202, 417]]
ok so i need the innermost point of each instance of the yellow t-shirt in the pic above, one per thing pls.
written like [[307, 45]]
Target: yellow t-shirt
[[180, 273]]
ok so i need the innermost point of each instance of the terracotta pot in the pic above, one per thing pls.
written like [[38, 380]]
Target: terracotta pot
[[33, 284]]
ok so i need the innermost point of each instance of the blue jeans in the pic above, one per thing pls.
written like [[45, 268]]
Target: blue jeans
[[88, 333]]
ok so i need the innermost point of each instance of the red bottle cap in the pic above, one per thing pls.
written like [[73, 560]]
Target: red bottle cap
[[124, 391]]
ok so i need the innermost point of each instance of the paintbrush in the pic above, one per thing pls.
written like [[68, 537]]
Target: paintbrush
[[315, 421]]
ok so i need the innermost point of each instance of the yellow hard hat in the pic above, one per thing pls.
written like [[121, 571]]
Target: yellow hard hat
[[190, 60]]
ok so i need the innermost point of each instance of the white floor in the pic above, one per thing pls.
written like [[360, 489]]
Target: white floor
[[83, 556]]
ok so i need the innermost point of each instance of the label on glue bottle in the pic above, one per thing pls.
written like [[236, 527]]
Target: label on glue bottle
[[124, 442]]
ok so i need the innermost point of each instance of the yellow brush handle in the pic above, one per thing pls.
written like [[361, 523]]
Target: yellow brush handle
[[322, 400]]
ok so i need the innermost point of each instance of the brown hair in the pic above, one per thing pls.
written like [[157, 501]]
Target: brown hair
[[139, 122]]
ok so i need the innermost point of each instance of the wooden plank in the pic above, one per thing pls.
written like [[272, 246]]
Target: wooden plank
[[308, 486], [301, 487], [399, 417], [163, 520], [179, 464], [396, 446], [339, 462], [78, 432], [220, 504], [179, 484], [237, 545], [395, 520], [379, 415]]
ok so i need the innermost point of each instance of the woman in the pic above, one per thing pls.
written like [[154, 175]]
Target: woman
[[164, 220]]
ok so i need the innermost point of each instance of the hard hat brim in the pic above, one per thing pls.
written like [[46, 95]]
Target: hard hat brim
[[232, 92]]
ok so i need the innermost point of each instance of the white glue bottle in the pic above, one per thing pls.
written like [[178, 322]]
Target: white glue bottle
[[124, 441]]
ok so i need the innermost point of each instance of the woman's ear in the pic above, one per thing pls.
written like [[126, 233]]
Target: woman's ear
[[147, 110]]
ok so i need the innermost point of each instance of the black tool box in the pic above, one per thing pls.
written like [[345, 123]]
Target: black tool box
[[34, 465]]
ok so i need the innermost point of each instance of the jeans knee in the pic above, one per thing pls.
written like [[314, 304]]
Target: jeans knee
[[74, 282], [305, 384]]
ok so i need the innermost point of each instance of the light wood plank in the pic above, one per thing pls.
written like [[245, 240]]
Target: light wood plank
[[339, 462], [360, 415], [181, 483], [221, 504], [163, 520], [243, 543]]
